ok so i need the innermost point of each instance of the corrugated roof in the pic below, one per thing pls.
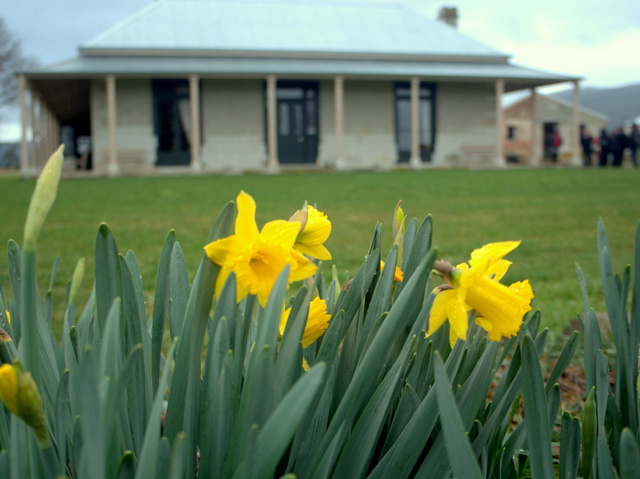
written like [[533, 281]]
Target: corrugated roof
[[515, 76], [286, 26]]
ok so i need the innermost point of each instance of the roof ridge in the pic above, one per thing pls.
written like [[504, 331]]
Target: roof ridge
[[124, 23]]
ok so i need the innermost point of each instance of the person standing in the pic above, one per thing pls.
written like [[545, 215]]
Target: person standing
[[619, 143], [605, 147], [587, 146], [634, 143]]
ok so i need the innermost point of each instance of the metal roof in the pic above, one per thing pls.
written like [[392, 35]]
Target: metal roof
[[286, 26], [516, 77]]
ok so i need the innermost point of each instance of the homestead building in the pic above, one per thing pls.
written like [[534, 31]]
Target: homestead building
[[249, 85]]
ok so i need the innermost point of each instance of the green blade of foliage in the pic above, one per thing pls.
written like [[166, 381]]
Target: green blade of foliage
[[178, 458], [406, 307], [461, 456], [602, 387], [421, 245], [180, 289], [351, 299], [381, 298], [93, 462], [148, 457], [14, 271], [535, 406], [629, 455], [274, 438], [182, 411], [470, 399], [592, 343], [108, 274], [256, 406], [356, 455], [569, 447], [29, 343], [563, 361], [127, 466], [604, 460], [161, 307], [589, 431], [136, 336], [63, 424], [312, 428]]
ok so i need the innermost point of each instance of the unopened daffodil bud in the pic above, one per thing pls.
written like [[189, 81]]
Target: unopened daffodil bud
[[76, 280], [43, 197], [398, 220], [20, 395]]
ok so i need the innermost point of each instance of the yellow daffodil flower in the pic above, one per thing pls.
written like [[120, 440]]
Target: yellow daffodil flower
[[20, 395], [258, 257], [313, 233], [476, 286], [8, 317], [317, 322], [398, 275]]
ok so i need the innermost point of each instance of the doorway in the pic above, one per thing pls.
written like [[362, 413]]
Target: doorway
[[297, 120], [402, 95], [171, 112]]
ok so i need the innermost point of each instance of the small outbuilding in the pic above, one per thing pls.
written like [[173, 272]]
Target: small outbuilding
[[245, 85], [530, 124]]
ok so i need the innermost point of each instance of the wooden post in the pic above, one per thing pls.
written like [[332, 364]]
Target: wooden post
[[34, 125], [534, 160], [338, 86], [43, 133], [575, 125], [272, 131], [415, 159], [194, 103], [499, 160], [24, 149], [113, 167]]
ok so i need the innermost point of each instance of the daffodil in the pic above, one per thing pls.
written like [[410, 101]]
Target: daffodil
[[20, 395], [314, 231], [476, 286], [258, 257], [317, 322], [398, 275]]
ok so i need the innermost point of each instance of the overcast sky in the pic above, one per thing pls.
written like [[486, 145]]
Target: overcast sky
[[597, 40]]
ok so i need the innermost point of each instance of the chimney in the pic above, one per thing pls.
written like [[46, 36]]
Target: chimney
[[449, 16]]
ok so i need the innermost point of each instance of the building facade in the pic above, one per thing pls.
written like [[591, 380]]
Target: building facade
[[246, 86]]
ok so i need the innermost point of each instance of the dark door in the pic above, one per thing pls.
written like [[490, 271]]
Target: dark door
[[403, 120], [297, 108], [549, 128], [171, 120]]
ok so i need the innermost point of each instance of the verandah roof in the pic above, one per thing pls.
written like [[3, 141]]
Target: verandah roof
[[515, 77]]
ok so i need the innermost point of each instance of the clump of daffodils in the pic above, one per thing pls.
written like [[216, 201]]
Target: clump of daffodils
[[258, 257], [476, 286]]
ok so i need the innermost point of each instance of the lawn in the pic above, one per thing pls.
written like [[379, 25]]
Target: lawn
[[553, 211]]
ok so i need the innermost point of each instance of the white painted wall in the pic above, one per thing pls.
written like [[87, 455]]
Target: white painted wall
[[466, 125], [134, 122]]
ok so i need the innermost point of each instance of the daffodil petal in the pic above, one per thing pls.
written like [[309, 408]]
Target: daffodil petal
[[246, 226], [458, 318], [314, 251], [438, 313]]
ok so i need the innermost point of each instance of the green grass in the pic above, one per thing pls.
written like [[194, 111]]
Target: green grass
[[554, 213]]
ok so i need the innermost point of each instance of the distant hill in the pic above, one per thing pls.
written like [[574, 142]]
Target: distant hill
[[620, 104]]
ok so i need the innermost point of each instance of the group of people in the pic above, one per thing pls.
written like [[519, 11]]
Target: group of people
[[610, 146]]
